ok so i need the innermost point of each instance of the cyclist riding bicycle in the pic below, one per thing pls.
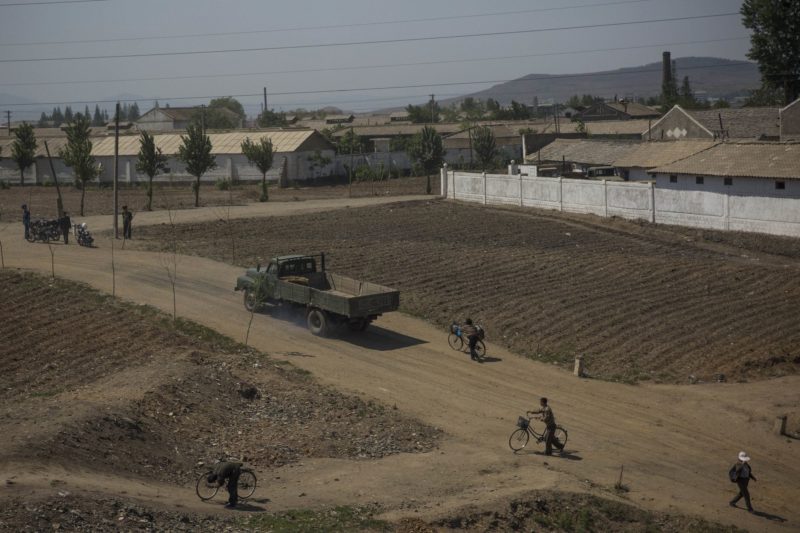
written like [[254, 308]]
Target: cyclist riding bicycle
[[471, 332]]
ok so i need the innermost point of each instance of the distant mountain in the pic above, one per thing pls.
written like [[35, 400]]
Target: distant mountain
[[714, 76]]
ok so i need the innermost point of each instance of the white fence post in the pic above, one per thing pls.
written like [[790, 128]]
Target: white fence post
[[605, 198], [727, 214], [521, 202], [443, 180], [484, 188], [652, 202], [560, 193]]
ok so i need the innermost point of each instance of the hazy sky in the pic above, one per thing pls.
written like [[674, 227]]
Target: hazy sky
[[154, 26]]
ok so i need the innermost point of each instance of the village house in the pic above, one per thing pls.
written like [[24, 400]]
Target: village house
[[790, 121], [750, 123], [637, 164], [178, 118], [622, 110]]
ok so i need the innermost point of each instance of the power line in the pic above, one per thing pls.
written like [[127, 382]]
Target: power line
[[328, 27], [359, 43], [368, 67], [391, 87], [51, 3]]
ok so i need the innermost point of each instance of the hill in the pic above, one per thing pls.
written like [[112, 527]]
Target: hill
[[717, 77]]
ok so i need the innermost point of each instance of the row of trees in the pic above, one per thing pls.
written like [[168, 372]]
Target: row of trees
[[99, 118], [195, 152], [469, 109]]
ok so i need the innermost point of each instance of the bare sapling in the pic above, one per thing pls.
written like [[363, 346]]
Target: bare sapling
[[113, 272], [169, 258], [52, 260]]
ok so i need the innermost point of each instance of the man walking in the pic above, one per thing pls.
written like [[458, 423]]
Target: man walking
[[127, 218], [469, 331], [65, 224], [742, 474], [546, 415], [227, 471], [26, 221]]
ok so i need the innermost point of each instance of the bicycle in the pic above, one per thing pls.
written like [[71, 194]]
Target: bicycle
[[519, 437], [246, 488], [460, 344]]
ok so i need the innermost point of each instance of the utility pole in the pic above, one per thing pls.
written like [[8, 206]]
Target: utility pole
[[8, 115], [59, 201], [350, 174], [265, 99], [116, 173], [432, 109]]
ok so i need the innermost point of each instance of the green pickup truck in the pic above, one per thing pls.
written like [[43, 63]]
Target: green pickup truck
[[330, 300]]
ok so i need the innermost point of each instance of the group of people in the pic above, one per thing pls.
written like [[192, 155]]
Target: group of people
[[741, 473], [65, 223]]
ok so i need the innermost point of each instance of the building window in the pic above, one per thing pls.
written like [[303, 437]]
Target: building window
[[673, 179], [728, 181], [780, 185], [699, 180]]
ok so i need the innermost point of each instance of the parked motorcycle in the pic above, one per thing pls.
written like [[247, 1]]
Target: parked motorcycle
[[84, 236], [44, 230]]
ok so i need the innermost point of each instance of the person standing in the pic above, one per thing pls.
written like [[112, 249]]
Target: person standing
[[546, 415], [227, 471], [127, 218], [65, 224], [26, 221], [742, 473]]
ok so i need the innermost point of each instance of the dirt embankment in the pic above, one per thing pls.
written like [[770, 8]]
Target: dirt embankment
[[94, 383], [100, 201], [640, 303]]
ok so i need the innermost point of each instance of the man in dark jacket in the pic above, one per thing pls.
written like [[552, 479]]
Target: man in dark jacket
[[743, 476], [469, 331], [227, 471], [65, 224], [546, 415], [26, 220], [127, 220]]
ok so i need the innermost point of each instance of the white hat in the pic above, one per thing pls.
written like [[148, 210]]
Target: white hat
[[743, 457]]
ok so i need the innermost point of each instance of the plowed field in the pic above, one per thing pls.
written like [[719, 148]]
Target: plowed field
[[639, 304], [89, 382]]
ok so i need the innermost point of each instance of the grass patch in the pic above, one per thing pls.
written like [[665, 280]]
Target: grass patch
[[339, 519]]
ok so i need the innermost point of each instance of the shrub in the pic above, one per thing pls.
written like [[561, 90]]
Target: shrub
[[223, 184]]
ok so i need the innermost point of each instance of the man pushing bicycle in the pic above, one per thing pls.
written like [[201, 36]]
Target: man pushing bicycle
[[546, 415], [227, 471]]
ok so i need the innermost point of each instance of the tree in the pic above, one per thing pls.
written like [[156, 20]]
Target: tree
[[350, 142], [229, 103], [216, 114], [260, 154], [721, 104], [426, 150], [151, 162], [23, 150], [133, 112], [421, 114], [195, 152], [68, 116], [270, 119], [57, 117], [485, 146], [97, 119], [317, 160], [77, 154], [775, 43], [765, 96], [43, 120], [687, 98]]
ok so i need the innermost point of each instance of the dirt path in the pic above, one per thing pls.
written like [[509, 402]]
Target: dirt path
[[676, 442]]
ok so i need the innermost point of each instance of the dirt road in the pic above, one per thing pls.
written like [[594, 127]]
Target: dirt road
[[676, 442]]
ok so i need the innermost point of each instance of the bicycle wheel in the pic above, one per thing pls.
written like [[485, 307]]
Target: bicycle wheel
[[518, 439], [247, 484], [480, 349], [560, 440], [205, 490], [455, 342]]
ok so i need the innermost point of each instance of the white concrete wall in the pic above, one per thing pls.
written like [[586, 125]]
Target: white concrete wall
[[711, 205]]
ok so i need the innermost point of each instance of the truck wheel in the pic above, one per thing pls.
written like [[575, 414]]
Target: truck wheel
[[317, 322], [250, 302]]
